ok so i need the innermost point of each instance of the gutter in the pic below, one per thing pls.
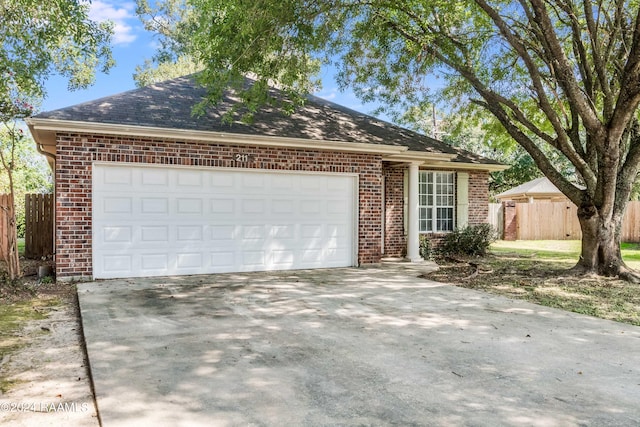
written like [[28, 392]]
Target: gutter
[[39, 125]]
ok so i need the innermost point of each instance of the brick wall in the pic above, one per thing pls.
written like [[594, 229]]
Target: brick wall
[[395, 243], [76, 152], [478, 197]]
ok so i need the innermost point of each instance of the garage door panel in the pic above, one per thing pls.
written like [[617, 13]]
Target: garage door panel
[[222, 232], [224, 259], [154, 178], [311, 231], [186, 178], [283, 231], [117, 176], [310, 207], [154, 206], [189, 206], [181, 221], [222, 206], [189, 260], [282, 258], [117, 234], [309, 183], [252, 258], [252, 181], [283, 206], [154, 262], [190, 233], [117, 205], [336, 207], [154, 233], [121, 263], [221, 180], [250, 233], [253, 206]]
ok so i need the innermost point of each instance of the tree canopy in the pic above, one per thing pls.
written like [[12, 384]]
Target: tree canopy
[[42, 38], [560, 77]]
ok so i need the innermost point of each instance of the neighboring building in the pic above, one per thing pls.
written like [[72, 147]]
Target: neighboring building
[[145, 188], [538, 190]]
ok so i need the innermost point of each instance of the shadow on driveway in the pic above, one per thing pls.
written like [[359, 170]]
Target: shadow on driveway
[[355, 346]]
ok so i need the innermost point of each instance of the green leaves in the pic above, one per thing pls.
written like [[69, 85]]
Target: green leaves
[[40, 38], [558, 77]]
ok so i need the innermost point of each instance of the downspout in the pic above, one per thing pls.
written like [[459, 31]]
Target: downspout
[[46, 154]]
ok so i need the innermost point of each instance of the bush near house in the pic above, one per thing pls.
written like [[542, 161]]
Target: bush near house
[[473, 240]]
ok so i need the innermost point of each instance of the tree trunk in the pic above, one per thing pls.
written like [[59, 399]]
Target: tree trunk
[[601, 240], [10, 254]]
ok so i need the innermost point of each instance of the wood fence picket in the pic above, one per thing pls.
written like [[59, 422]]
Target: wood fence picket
[[38, 239]]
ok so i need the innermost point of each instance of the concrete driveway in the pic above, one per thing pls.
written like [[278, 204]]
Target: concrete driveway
[[370, 346]]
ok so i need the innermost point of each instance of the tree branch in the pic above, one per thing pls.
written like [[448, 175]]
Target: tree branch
[[598, 59], [540, 158], [629, 97], [565, 78]]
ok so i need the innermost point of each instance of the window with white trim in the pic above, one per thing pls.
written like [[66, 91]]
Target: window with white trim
[[436, 198]]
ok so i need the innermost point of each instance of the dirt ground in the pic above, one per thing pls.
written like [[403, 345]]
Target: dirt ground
[[545, 282], [46, 380]]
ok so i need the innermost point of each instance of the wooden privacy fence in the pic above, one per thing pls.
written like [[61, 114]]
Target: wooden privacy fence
[[553, 221], [547, 221], [38, 238]]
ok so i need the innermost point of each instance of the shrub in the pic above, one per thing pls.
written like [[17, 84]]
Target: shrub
[[473, 240], [425, 247]]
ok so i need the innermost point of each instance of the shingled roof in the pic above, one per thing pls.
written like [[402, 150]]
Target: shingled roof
[[169, 104], [538, 187]]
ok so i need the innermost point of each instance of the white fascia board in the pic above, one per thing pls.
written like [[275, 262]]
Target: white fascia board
[[52, 125], [420, 157], [489, 167]]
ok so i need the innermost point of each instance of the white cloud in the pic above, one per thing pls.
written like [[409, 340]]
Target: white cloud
[[329, 96], [119, 13]]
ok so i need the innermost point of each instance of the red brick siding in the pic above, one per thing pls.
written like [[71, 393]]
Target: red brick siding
[[478, 197], [395, 243], [76, 152]]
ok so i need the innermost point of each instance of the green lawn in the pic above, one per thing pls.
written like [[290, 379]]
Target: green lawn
[[565, 251]]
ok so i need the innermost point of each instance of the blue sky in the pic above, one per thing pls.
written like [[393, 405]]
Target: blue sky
[[131, 45]]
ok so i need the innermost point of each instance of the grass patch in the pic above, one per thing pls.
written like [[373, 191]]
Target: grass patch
[[537, 271], [565, 251], [13, 319]]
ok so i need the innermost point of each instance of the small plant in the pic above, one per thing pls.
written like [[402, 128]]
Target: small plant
[[47, 280], [425, 247], [473, 240]]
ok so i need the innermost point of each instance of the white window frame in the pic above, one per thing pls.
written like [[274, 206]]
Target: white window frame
[[434, 196]]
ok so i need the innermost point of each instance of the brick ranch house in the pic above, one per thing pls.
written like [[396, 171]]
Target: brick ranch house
[[145, 188]]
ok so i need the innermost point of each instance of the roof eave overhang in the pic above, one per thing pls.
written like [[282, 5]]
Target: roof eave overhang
[[44, 131], [487, 167], [419, 157]]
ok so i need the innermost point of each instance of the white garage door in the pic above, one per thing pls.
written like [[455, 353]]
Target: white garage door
[[157, 221]]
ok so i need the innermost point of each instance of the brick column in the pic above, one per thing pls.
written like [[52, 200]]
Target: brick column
[[510, 220]]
